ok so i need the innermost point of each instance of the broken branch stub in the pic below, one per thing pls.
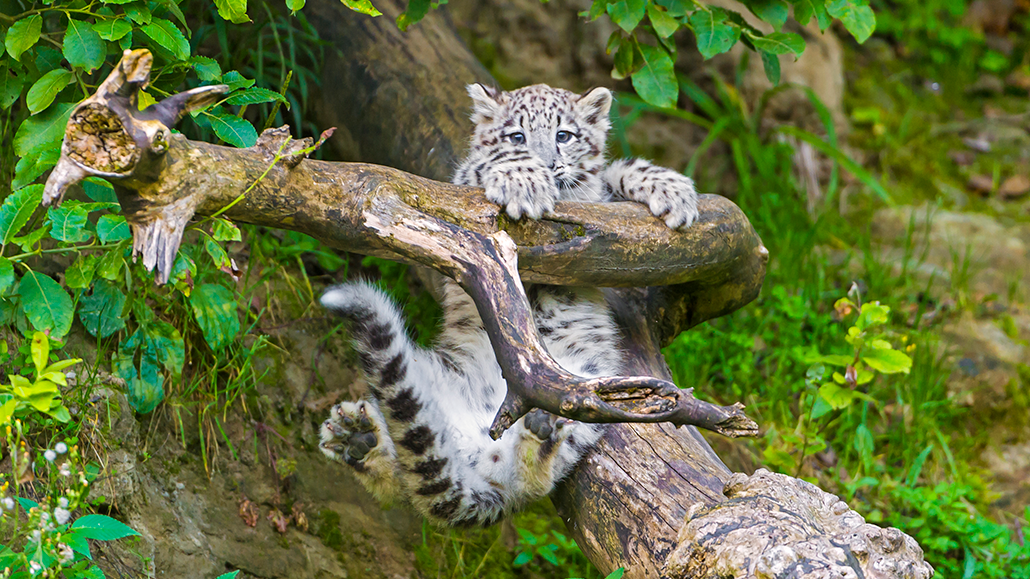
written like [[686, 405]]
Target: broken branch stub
[[162, 179]]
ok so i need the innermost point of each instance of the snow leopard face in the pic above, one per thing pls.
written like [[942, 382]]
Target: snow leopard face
[[560, 130]]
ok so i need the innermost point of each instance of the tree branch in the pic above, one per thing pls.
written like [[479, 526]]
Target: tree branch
[[162, 179]]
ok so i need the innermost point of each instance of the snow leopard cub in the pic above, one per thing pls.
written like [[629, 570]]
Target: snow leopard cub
[[423, 434]]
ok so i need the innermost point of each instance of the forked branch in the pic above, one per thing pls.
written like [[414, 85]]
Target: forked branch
[[162, 179]]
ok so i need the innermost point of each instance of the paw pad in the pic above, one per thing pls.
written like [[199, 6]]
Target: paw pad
[[349, 433]]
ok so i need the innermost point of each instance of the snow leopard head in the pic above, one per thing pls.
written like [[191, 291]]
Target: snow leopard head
[[565, 131]]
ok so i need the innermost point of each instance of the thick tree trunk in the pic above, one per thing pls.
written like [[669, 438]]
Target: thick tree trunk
[[626, 508]]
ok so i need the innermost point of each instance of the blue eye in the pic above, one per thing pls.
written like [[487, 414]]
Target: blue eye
[[563, 136], [517, 138]]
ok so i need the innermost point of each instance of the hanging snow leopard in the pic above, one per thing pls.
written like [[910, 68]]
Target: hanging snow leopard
[[422, 435]]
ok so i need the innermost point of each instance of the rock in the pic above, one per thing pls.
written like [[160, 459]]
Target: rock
[[986, 85], [981, 184], [1015, 186], [962, 158], [1018, 80], [979, 144], [998, 255]]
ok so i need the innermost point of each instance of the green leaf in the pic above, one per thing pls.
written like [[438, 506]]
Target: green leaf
[[68, 223], [112, 29], [6, 274], [83, 47], [779, 43], [627, 59], [859, 20], [44, 131], [836, 396], [233, 130], [256, 95], [10, 87], [46, 304], [101, 312], [714, 36], [676, 8], [627, 14], [864, 443], [168, 36], [78, 543], [917, 466], [597, 8], [110, 266], [218, 255], [664, 24], [655, 82], [771, 64], [887, 361], [207, 68], [139, 13], [16, 210], [102, 528], [99, 190], [236, 81], [362, 6], [167, 346], [173, 7], [522, 558], [872, 314], [234, 11], [45, 90], [23, 35], [772, 11], [214, 307], [417, 10], [113, 228], [7, 411], [224, 230], [832, 359], [80, 274], [28, 241], [295, 5], [229, 575], [28, 169], [40, 349]]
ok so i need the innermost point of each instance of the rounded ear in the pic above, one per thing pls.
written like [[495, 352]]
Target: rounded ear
[[594, 105], [485, 102]]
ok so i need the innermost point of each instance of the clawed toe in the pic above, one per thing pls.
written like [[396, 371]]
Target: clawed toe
[[541, 423], [349, 434]]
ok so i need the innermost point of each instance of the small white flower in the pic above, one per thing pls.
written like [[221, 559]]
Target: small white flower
[[65, 470], [61, 448], [62, 515], [67, 555], [50, 455], [36, 535], [8, 503], [35, 567], [62, 502], [44, 517]]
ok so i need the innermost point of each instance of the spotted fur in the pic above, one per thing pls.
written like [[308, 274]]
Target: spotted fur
[[423, 433]]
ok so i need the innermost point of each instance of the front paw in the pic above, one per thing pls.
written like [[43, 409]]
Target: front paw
[[543, 424], [671, 197], [522, 190], [350, 433]]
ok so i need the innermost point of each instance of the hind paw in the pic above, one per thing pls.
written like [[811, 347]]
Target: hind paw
[[351, 433]]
